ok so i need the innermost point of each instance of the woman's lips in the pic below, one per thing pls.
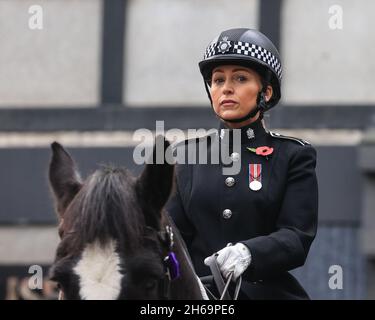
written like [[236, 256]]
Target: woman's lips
[[227, 103]]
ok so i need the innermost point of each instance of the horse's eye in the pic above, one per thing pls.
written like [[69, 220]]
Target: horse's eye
[[150, 284]]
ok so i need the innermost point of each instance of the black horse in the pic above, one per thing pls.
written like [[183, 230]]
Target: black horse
[[116, 241]]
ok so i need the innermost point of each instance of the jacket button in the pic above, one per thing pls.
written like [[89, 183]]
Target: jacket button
[[235, 156], [230, 181], [227, 213]]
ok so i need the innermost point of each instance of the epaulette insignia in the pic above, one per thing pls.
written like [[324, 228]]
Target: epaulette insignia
[[280, 136]]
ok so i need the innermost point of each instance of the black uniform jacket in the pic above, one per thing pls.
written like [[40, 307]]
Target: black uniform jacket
[[277, 223]]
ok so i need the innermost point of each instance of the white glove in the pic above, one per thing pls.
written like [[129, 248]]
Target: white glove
[[234, 259]]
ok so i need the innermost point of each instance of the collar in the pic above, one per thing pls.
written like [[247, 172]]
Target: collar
[[249, 133]]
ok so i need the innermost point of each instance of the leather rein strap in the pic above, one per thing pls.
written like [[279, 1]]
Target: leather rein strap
[[221, 285]]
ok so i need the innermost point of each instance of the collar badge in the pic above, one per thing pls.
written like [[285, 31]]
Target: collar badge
[[250, 133]]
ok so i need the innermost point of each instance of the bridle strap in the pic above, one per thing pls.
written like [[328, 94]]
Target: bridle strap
[[165, 287], [167, 239]]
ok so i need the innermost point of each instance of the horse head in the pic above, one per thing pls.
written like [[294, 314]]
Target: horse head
[[116, 240]]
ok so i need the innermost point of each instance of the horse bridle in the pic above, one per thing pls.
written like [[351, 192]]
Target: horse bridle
[[170, 262], [172, 271]]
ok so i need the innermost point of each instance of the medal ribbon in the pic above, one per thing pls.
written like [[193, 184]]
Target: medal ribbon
[[255, 171]]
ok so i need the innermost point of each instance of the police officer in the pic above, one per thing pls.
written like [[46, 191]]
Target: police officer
[[268, 211]]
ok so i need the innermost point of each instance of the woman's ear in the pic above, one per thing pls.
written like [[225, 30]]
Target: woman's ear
[[269, 93]]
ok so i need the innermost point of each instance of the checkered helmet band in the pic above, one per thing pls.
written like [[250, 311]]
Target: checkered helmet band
[[253, 51]]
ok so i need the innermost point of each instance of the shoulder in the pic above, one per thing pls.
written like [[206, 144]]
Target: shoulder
[[186, 152], [208, 137], [295, 147], [282, 137]]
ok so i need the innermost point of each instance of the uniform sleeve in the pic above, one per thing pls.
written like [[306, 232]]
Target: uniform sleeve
[[287, 247], [176, 209]]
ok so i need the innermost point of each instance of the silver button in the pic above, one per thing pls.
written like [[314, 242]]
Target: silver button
[[230, 181], [227, 213], [235, 156]]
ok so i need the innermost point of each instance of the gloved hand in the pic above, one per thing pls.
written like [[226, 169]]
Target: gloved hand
[[235, 258]]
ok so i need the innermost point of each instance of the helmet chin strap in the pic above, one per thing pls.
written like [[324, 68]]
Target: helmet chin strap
[[261, 106]]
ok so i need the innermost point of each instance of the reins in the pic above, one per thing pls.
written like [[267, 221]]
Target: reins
[[220, 283], [172, 271]]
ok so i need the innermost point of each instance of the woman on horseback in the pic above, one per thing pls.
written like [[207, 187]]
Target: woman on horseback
[[261, 220]]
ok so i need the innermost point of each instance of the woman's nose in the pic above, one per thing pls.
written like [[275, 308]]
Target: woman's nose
[[227, 87]]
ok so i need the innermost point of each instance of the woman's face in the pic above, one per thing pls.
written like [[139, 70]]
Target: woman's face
[[234, 91]]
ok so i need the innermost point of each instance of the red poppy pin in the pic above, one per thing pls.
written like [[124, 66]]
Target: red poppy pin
[[262, 151]]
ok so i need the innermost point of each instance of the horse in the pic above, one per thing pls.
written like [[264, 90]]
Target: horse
[[116, 240]]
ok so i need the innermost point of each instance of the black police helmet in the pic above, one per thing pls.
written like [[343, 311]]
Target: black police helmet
[[249, 48]]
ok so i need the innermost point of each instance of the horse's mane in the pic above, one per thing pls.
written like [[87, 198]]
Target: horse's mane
[[105, 208]]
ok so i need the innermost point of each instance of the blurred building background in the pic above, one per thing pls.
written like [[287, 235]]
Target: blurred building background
[[98, 70]]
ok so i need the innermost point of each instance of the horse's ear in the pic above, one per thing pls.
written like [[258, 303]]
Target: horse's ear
[[63, 177], [154, 185]]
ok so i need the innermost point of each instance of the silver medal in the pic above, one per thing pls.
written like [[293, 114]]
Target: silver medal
[[255, 185]]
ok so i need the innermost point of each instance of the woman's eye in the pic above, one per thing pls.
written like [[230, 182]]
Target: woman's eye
[[241, 78], [218, 80]]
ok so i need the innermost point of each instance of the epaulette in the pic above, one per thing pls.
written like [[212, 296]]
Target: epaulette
[[280, 136]]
